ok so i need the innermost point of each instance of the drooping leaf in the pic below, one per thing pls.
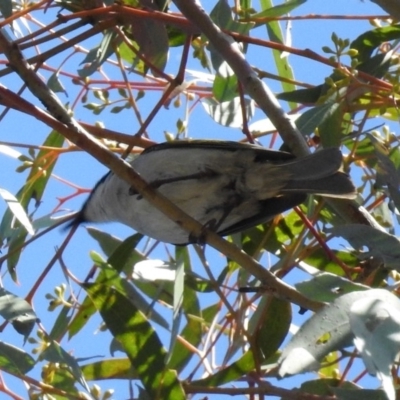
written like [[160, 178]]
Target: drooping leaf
[[275, 34], [17, 210], [98, 55], [6, 8], [140, 342], [55, 84], [33, 189], [225, 83], [377, 65], [61, 323], [125, 255], [221, 15], [56, 354], [15, 360], [9, 151], [108, 243], [177, 307], [302, 96], [269, 325], [330, 128], [152, 39], [193, 330], [17, 311], [109, 276]]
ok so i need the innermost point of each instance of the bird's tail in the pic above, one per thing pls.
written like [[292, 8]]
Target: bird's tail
[[319, 173]]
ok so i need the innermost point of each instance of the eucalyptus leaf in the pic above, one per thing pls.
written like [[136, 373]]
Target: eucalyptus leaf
[[382, 246], [56, 354], [18, 311], [327, 330], [17, 209], [228, 113], [15, 360]]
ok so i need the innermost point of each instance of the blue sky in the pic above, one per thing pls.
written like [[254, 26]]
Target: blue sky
[[80, 169]]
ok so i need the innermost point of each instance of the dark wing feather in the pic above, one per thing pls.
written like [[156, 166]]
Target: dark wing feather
[[270, 208]]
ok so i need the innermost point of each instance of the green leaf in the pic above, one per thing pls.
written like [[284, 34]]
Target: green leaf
[[108, 243], [369, 41], [175, 36], [56, 354], [270, 324], [270, 11], [61, 323], [17, 210], [131, 57], [275, 34], [152, 38], [375, 323], [228, 113], [225, 86], [377, 65], [177, 307], [303, 96], [221, 15], [110, 276], [55, 84], [140, 342], [330, 128], [18, 311], [311, 119], [125, 255], [116, 368], [6, 8], [99, 54], [15, 360], [34, 188], [193, 330]]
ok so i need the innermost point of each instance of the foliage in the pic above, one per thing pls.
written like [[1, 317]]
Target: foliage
[[192, 320]]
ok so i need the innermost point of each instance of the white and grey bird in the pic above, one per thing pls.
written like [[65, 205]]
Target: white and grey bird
[[226, 186]]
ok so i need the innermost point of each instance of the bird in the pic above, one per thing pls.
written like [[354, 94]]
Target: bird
[[226, 186]]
